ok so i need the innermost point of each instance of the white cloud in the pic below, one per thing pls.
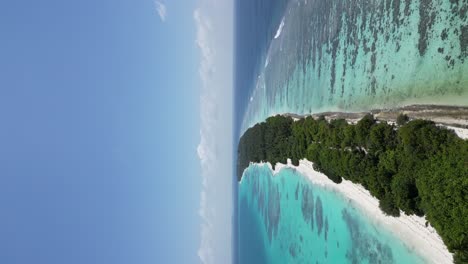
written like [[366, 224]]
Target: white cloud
[[214, 38], [162, 10]]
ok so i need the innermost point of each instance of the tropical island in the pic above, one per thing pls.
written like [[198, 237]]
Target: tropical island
[[416, 166]]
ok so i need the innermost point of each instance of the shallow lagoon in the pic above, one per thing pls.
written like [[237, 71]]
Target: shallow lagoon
[[287, 219]]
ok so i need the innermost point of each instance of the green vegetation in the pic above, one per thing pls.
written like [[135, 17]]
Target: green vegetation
[[416, 167], [402, 119]]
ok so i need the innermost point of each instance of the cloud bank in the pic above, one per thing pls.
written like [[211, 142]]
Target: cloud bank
[[162, 10], [214, 38]]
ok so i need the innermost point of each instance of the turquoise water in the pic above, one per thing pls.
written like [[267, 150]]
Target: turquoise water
[[287, 219], [309, 56], [352, 55]]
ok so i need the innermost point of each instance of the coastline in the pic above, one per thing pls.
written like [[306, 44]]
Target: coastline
[[451, 117], [445, 115], [410, 229]]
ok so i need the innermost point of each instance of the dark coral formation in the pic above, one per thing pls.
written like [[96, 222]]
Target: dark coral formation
[[307, 205], [324, 30], [319, 215], [365, 247]]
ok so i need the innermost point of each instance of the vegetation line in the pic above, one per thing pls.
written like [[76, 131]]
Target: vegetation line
[[416, 166]]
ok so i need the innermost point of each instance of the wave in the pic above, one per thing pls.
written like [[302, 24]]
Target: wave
[[267, 61], [280, 28]]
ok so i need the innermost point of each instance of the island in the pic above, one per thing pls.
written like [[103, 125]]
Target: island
[[411, 165]]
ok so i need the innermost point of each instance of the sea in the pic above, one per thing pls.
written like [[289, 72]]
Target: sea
[[287, 219], [310, 56]]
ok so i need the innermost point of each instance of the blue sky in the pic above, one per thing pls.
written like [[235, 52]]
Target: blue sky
[[103, 111]]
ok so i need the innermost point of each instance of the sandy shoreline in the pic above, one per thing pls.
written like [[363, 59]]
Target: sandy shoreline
[[410, 229], [451, 117], [461, 132], [445, 115]]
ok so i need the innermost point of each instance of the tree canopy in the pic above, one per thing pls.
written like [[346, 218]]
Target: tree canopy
[[416, 166]]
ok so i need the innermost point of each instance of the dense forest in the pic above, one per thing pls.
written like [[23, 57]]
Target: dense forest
[[412, 166]]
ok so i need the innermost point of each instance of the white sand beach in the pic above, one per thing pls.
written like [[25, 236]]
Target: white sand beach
[[410, 229], [461, 132]]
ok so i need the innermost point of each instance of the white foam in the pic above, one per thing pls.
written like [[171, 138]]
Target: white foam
[[280, 29], [267, 61]]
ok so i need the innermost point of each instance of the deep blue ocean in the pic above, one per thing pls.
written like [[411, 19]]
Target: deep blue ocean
[[309, 56], [255, 27]]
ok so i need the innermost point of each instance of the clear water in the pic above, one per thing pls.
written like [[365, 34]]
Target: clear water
[[287, 219], [359, 55], [345, 55]]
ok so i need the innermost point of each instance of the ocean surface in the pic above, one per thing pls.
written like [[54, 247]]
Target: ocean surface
[[306, 56], [287, 219], [309, 56]]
